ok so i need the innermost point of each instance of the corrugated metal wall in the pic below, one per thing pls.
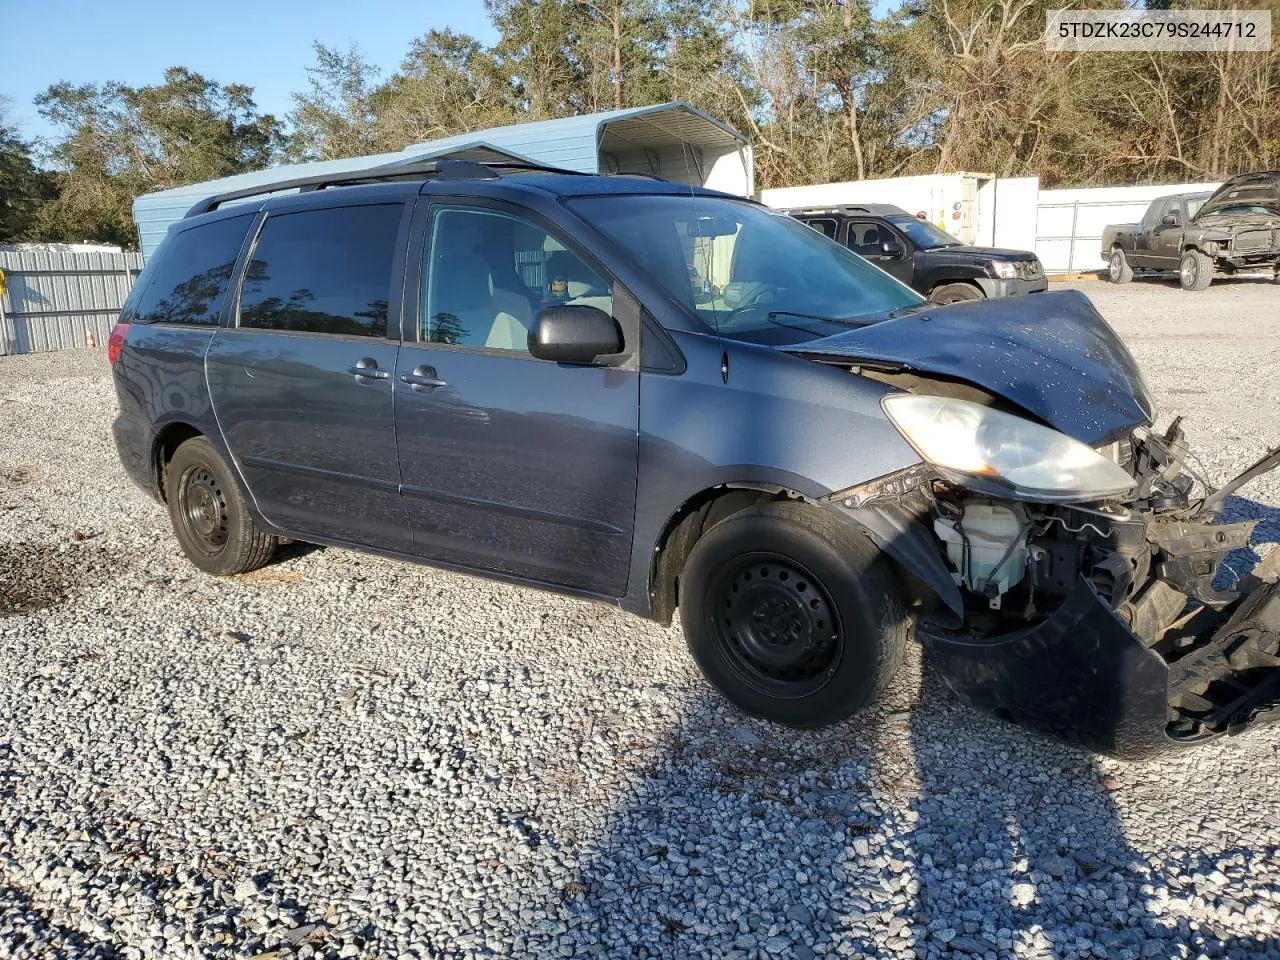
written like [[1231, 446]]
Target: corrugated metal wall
[[55, 296]]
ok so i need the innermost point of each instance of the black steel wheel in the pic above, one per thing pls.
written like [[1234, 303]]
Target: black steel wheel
[[776, 624], [209, 515], [792, 614]]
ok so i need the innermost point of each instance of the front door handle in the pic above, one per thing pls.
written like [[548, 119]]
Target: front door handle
[[366, 370], [423, 379]]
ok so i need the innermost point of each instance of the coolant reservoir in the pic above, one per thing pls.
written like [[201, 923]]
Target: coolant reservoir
[[997, 548]]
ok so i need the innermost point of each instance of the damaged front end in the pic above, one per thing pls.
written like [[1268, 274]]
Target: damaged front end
[[1097, 623]]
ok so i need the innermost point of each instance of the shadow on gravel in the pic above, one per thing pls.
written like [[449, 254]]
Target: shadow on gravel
[[1241, 562], [37, 576], [921, 830]]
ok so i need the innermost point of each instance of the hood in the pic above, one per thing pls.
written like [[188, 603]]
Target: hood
[[1051, 354], [1261, 188], [980, 253], [1225, 221]]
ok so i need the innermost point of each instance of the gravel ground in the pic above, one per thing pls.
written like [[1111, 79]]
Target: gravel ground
[[340, 756]]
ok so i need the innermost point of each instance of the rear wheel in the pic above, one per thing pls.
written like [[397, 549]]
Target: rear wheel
[[955, 293], [1195, 272], [209, 515], [1118, 269], [792, 615]]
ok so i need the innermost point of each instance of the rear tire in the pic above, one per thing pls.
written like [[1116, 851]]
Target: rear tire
[[209, 515], [792, 615], [1195, 272], [955, 293], [1118, 269]]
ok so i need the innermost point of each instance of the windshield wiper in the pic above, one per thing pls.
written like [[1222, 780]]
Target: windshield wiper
[[897, 312], [774, 314]]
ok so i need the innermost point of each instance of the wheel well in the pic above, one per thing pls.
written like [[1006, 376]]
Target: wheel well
[[697, 515], [167, 442], [962, 281]]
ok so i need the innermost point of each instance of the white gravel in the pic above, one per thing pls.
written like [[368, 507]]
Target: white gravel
[[341, 756]]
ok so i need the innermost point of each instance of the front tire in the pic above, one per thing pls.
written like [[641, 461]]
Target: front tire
[[1195, 272], [955, 293], [792, 615], [209, 515], [1118, 269]]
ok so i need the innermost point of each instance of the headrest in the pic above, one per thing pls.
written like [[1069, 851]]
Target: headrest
[[462, 283]]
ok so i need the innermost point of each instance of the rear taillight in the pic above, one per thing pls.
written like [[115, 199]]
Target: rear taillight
[[115, 343]]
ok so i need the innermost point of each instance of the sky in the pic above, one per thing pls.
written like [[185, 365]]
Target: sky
[[265, 44]]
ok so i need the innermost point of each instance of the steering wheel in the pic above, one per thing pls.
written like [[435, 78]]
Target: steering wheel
[[753, 301]]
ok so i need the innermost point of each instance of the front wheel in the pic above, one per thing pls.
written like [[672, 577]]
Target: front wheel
[[209, 515], [955, 293], [1195, 272], [1118, 269], [792, 615]]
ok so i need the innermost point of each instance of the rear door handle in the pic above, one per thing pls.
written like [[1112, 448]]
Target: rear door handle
[[366, 370], [423, 379]]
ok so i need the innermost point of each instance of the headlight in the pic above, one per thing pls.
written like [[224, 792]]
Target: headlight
[[1037, 462], [1005, 271]]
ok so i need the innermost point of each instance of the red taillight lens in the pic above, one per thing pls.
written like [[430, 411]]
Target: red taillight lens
[[115, 343]]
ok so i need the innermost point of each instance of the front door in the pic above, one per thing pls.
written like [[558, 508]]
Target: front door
[[869, 239], [510, 464], [302, 384]]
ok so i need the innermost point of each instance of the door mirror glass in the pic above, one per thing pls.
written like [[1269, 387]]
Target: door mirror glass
[[1170, 220], [892, 249], [574, 334]]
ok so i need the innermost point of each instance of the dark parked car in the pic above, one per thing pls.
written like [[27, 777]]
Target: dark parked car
[[512, 373], [1202, 235], [927, 259]]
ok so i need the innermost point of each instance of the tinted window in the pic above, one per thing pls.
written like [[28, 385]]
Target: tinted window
[[188, 277], [323, 271], [825, 227], [489, 273]]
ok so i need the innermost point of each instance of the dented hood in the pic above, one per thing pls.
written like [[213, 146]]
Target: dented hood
[[1051, 354]]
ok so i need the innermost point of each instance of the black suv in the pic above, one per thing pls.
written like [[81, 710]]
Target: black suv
[[925, 258], [659, 396]]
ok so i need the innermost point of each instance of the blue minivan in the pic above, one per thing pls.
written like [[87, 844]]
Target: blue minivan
[[664, 397]]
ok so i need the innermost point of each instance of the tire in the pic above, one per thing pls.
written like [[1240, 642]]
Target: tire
[[1195, 272], [955, 293], [792, 615], [209, 515], [1118, 269]]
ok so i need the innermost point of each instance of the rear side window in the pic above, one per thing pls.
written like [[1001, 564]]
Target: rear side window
[[323, 271], [190, 273]]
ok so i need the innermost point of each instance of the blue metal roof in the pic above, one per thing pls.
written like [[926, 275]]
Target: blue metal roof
[[573, 143]]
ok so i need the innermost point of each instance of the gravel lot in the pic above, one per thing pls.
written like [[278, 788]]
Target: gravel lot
[[340, 756]]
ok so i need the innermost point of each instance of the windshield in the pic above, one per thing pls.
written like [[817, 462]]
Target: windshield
[[1193, 206], [747, 272], [922, 233]]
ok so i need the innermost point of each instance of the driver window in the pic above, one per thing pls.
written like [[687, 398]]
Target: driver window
[[489, 273], [867, 239]]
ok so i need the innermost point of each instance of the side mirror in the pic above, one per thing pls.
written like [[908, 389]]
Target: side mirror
[[892, 250], [574, 334], [1169, 220]]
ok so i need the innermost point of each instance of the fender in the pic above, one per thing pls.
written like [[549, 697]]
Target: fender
[[774, 422]]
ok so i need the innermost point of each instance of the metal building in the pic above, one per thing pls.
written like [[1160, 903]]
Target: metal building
[[672, 140]]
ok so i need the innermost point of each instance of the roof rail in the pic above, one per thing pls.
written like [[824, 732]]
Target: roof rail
[[446, 168]]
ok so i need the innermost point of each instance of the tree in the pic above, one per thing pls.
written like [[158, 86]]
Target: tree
[[449, 83], [335, 117], [23, 187], [118, 142]]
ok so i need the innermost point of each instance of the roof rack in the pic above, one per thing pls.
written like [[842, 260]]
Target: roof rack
[[443, 168]]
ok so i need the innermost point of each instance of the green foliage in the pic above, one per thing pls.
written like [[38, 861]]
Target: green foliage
[[118, 142], [24, 188]]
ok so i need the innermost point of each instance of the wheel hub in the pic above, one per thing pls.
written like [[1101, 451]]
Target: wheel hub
[[778, 622], [204, 507]]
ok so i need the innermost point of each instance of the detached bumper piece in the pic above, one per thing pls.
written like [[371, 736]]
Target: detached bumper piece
[[1084, 676]]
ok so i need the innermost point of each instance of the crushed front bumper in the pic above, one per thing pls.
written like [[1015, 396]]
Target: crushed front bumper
[[1084, 676]]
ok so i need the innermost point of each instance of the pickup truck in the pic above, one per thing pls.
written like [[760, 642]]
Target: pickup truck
[[930, 261], [1235, 229]]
